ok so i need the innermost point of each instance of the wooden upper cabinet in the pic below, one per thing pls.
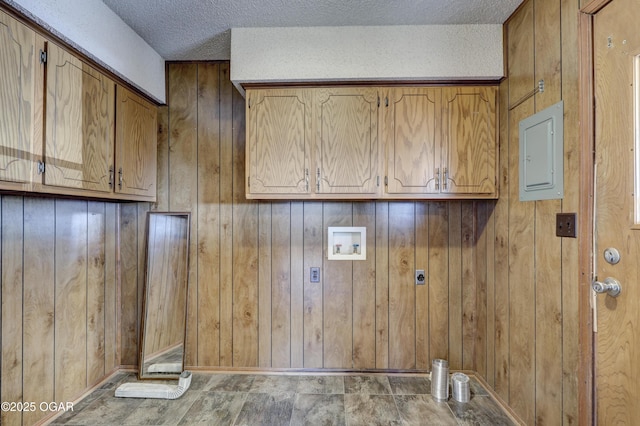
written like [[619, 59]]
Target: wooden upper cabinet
[[347, 141], [79, 142], [58, 124], [20, 103], [279, 132], [412, 136], [136, 145], [470, 141], [430, 142]]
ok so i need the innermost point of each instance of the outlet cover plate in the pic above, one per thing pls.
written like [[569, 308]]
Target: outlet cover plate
[[314, 274], [566, 225]]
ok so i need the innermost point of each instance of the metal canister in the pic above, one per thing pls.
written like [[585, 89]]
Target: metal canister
[[440, 379], [460, 390]]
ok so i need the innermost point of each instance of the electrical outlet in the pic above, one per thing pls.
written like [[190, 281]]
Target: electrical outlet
[[566, 225], [314, 274], [420, 277]]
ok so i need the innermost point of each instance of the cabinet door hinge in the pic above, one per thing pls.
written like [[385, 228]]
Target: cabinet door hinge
[[41, 167], [377, 180], [386, 181], [43, 57], [378, 101], [111, 173], [120, 178], [249, 181]]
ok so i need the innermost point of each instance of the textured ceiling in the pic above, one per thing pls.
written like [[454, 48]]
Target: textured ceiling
[[200, 29]]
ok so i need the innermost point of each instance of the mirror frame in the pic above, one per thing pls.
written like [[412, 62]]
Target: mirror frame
[[145, 298]]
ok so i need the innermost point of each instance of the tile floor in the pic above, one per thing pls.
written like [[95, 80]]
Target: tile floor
[[252, 399]]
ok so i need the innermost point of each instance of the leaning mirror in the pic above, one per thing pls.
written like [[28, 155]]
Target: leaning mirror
[[164, 308]]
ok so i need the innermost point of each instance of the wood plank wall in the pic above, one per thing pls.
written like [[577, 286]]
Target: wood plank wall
[[59, 300], [532, 329], [501, 293], [251, 304]]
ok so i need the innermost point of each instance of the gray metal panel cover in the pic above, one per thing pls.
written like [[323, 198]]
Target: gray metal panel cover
[[541, 165]]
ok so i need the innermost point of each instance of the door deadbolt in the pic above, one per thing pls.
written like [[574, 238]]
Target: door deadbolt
[[612, 255]]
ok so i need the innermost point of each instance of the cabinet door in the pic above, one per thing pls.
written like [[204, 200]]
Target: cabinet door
[[136, 145], [347, 141], [411, 134], [20, 102], [79, 123], [278, 148], [470, 144]]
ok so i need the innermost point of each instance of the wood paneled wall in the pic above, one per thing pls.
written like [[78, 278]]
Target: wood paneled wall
[[501, 291], [251, 303], [531, 358], [59, 300]]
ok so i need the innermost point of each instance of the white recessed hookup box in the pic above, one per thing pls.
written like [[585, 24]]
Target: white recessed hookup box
[[347, 243]]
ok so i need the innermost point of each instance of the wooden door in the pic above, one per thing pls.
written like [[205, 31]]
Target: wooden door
[[79, 123], [412, 137], [136, 145], [470, 142], [347, 140], [278, 142], [616, 45], [20, 102]]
